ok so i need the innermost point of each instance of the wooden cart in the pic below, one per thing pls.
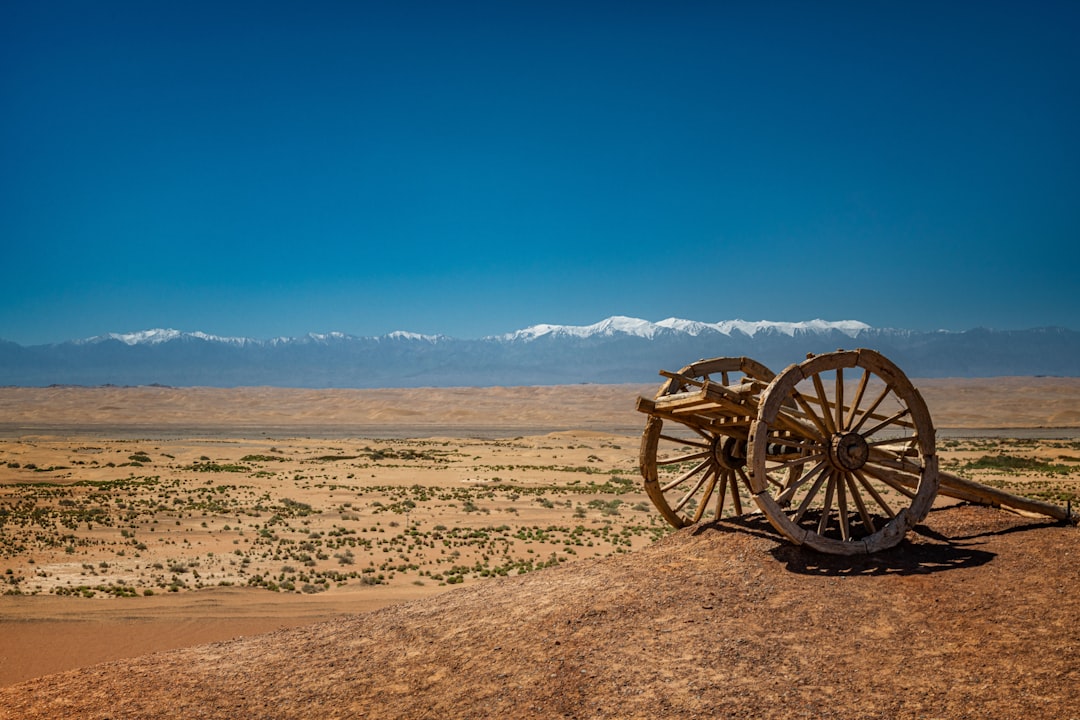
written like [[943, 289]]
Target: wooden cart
[[837, 451]]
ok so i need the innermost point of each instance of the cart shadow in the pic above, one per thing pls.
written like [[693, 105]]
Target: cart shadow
[[1023, 525], [929, 553], [907, 558]]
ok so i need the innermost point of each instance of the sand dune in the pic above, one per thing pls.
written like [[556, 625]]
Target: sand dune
[[1020, 402]]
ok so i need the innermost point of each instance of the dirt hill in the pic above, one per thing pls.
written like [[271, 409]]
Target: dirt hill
[[976, 615]]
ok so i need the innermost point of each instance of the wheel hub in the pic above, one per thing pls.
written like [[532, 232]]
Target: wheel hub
[[729, 452], [849, 451]]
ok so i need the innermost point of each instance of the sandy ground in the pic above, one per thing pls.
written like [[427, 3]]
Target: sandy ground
[[975, 616], [143, 519]]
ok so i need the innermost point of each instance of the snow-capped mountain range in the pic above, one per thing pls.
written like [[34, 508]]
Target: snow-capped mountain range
[[617, 349], [615, 325], [621, 325]]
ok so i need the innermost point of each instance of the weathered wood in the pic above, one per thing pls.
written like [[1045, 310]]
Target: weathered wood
[[809, 498], [953, 485], [736, 498], [874, 494], [786, 430], [720, 496], [683, 379], [858, 399], [841, 506], [784, 498], [714, 416], [860, 504], [693, 491], [705, 497], [830, 424], [685, 476]]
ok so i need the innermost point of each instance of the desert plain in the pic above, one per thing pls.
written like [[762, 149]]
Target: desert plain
[[136, 520]]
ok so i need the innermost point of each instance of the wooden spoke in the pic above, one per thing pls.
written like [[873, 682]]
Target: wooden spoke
[[859, 503], [908, 440], [841, 506], [705, 403], [812, 415], [896, 461], [874, 494], [735, 488], [705, 497], [720, 497], [798, 444], [684, 458], [839, 465], [873, 406], [768, 478], [801, 460], [826, 407], [889, 478], [683, 441], [830, 488], [792, 423], [785, 497], [858, 399], [693, 490], [702, 433], [736, 497], [813, 491], [686, 476], [839, 398], [886, 422]]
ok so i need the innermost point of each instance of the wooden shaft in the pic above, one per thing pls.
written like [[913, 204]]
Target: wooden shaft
[[964, 489], [971, 491]]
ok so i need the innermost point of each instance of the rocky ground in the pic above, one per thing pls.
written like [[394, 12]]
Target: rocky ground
[[977, 614]]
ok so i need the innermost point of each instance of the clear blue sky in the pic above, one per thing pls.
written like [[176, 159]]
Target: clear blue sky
[[267, 169]]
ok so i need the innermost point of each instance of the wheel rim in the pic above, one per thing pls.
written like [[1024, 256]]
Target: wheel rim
[[842, 453], [694, 471]]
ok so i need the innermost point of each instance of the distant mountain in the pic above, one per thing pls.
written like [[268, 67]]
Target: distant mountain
[[615, 350]]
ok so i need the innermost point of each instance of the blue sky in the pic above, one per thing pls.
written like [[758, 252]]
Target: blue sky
[[268, 169]]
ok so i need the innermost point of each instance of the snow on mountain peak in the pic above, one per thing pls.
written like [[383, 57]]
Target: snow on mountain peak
[[405, 335], [621, 325], [617, 324], [158, 336], [146, 337], [610, 327]]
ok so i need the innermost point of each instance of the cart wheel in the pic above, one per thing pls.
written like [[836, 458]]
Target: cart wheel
[[692, 470], [843, 462]]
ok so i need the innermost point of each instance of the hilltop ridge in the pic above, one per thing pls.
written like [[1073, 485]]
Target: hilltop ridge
[[975, 614]]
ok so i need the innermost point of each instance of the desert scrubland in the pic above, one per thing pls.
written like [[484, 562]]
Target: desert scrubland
[[141, 519]]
